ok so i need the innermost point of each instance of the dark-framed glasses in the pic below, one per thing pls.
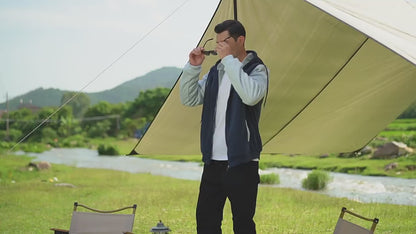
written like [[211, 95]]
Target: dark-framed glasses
[[209, 52]]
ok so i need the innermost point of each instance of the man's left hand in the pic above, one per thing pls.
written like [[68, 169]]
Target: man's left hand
[[223, 49]]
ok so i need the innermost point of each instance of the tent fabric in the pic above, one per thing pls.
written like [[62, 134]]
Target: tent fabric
[[340, 71], [391, 23]]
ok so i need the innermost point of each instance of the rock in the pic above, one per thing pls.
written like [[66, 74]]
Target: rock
[[411, 167], [32, 165], [44, 165], [324, 156], [65, 185], [366, 150], [392, 150], [40, 165], [391, 166]]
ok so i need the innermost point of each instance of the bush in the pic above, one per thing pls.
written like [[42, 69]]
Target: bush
[[5, 146], [316, 180], [107, 150], [14, 135], [33, 147], [100, 129], [77, 140], [48, 135], [270, 179]]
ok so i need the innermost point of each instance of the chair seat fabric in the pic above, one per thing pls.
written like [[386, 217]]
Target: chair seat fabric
[[87, 222], [345, 227]]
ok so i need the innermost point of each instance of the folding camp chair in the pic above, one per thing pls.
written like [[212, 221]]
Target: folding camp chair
[[345, 227], [99, 221]]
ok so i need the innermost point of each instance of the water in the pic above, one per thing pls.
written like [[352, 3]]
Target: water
[[87, 158], [355, 187]]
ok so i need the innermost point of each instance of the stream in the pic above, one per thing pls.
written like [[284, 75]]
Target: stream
[[355, 187]]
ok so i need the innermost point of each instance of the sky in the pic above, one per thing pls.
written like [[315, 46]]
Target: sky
[[67, 44]]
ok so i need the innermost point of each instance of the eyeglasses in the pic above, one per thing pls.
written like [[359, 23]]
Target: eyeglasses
[[208, 52], [225, 39], [213, 52]]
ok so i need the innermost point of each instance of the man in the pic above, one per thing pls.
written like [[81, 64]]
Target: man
[[232, 94]]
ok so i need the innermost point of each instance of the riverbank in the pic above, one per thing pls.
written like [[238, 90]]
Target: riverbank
[[355, 187], [362, 165], [355, 165], [332, 163]]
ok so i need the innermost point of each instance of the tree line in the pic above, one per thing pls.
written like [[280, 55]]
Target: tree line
[[78, 118]]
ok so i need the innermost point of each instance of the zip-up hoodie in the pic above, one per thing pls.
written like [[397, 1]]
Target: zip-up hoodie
[[249, 84]]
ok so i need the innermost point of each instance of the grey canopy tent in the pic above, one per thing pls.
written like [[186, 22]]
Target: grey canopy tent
[[340, 71]]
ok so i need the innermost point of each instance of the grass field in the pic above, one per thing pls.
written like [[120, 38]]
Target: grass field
[[31, 203]]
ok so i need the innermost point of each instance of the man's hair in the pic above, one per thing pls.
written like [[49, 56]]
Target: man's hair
[[234, 27]]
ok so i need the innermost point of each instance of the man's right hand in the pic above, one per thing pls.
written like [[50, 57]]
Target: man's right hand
[[196, 57]]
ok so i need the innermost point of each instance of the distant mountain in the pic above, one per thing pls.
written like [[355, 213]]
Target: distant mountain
[[164, 77]]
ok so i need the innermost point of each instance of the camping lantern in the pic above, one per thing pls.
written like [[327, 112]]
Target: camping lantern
[[160, 228]]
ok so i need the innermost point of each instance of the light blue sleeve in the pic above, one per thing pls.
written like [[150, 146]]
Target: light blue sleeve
[[191, 88], [251, 88]]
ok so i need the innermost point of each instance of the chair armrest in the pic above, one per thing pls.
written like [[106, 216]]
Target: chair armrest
[[60, 231]]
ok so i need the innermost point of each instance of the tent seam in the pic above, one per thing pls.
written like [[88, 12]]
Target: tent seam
[[322, 89]]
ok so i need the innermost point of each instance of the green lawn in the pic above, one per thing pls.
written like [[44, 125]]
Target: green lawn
[[30, 203]]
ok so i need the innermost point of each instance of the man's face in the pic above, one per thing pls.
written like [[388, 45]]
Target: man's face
[[225, 37]]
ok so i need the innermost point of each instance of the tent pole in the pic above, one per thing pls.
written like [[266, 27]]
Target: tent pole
[[235, 9]]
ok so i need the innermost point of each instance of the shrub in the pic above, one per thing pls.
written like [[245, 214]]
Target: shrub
[[14, 135], [316, 180], [107, 150], [5, 146], [49, 136], [100, 129], [270, 179], [33, 147], [77, 140]]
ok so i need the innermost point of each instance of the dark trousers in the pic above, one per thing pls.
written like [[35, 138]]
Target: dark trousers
[[239, 184]]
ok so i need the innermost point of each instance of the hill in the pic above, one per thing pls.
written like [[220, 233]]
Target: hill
[[164, 77]]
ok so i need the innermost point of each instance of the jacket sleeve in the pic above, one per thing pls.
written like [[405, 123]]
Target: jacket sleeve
[[191, 88], [251, 88]]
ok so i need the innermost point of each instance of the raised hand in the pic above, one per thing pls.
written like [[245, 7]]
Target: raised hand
[[196, 57], [223, 49]]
